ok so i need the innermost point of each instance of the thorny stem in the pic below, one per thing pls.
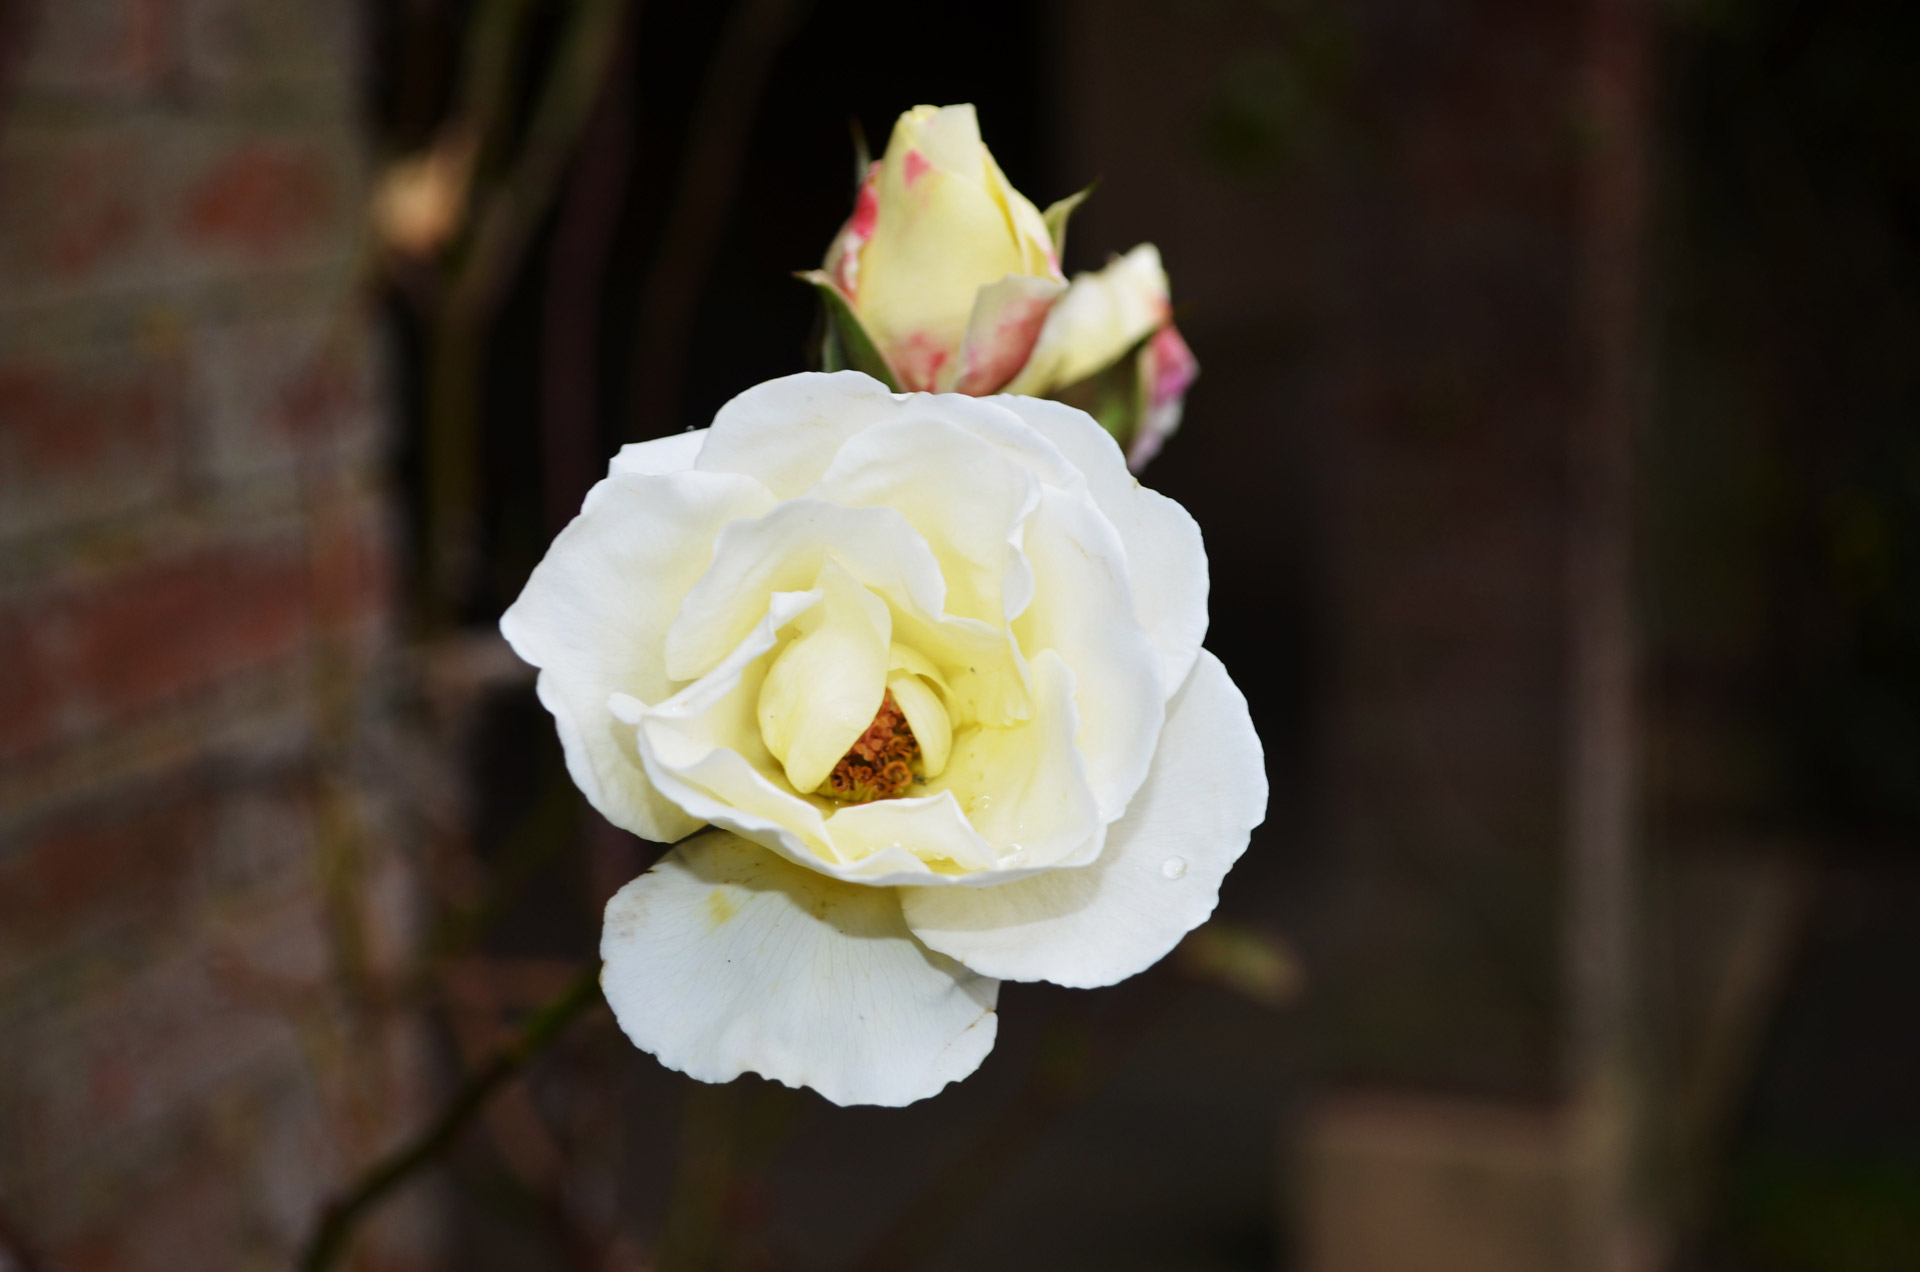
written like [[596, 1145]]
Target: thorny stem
[[329, 1240]]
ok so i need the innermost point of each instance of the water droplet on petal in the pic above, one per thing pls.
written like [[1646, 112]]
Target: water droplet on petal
[[1173, 867]]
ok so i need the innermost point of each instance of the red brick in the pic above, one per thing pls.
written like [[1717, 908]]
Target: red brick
[[96, 862], [275, 44], [272, 393], [71, 201], [261, 198], [113, 648], [98, 49], [352, 574], [84, 437], [27, 701]]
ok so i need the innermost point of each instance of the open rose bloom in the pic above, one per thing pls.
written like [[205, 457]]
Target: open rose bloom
[[946, 279], [927, 669]]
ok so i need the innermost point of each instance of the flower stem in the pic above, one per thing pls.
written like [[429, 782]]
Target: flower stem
[[329, 1239]]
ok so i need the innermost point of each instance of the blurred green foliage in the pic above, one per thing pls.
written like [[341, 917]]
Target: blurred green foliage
[[1275, 103], [1791, 421], [1806, 1214]]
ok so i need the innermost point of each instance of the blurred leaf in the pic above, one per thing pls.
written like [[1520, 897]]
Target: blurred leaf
[[1115, 395], [1816, 1215], [1250, 962], [1274, 102]]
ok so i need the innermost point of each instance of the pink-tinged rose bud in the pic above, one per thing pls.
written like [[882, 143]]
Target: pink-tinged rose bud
[[945, 278], [949, 269], [1167, 370]]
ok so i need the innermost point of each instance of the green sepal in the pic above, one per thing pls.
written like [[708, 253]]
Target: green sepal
[[862, 153], [1056, 217], [1115, 395], [844, 342]]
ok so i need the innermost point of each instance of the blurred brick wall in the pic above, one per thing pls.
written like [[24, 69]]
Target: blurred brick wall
[[195, 889]]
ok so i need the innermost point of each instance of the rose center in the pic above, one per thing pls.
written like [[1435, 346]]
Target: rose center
[[879, 763]]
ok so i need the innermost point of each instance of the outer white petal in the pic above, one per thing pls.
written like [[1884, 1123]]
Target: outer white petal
[[1083, 608], [1166, 561], [662, 456], [965, 497], [593, 617], [785, 432], [1157, 880], [725, 959]]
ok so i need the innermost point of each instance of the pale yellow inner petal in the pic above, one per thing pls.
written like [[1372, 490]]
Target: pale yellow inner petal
[[822, 690], [926, 716]]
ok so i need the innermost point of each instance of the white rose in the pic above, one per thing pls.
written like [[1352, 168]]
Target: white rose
[[931, 668]]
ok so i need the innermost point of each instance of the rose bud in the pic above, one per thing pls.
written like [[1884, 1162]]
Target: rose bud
[[946, 278], [949, 269]]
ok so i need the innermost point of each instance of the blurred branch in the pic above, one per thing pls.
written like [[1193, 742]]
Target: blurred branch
[[1075, 1056], [18, 1253], [504, 228], [480, 991], [16, 23], [330, 1237], [532, 842], [716, 144], [703, 1175], [577, 268], [1062, 1075]]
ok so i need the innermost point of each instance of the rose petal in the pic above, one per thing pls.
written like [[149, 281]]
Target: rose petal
[[1026, 789], [1083, 608], [783, 551], [593, 618], [941, 236], [1166, 560], [926, 715], [1006, 321], [1157, 879], [822, 691], [660, 457], [1027, 223], [703, 749], [1167, 370], [1103, 315], [843, 254], [785, 432], [931, 827], [723, 959], [965, 497]]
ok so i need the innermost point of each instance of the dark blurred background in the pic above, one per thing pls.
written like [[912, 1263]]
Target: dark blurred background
[[1557, 454]]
